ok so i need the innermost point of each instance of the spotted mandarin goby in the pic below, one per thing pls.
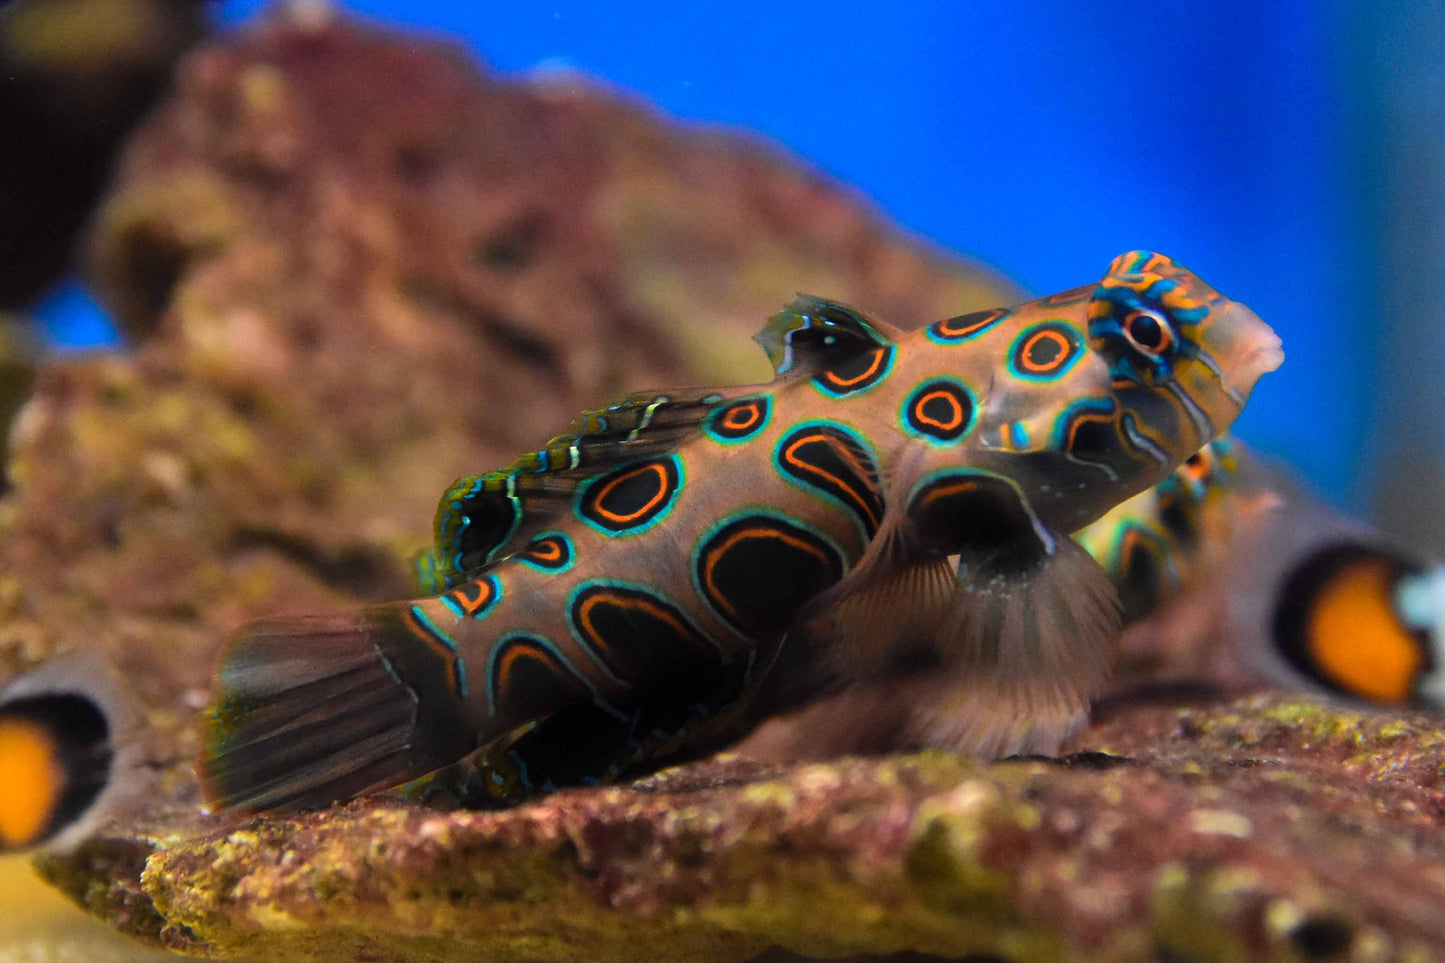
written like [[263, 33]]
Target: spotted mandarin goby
[[1312, 599], [682, 562]]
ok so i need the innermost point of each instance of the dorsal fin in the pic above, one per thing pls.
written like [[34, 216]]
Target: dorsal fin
[[812, 333], [484, 518]]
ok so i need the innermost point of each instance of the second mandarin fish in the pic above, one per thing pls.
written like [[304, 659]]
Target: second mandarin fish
[[604, 600], [1312, 599]]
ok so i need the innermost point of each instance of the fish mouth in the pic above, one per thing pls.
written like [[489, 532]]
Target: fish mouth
[[1250, 351]]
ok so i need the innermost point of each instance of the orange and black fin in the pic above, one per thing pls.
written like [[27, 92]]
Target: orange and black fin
[[68, 754], [1339, 621], [1322, 602], [312, 710]]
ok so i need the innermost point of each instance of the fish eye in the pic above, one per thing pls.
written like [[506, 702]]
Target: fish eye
[[1148, 332]]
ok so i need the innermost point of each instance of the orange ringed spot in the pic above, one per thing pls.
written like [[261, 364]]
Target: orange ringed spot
[[734, 538], [740, 418], [647, 506], [803, 467], [828, 458], [953, 411], [875, 363], [1044, 351], [967, 325], [940, 409], [633, 497]]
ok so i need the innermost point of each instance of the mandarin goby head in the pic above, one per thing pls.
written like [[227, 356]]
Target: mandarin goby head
[[1099, 392], [1161, 328]]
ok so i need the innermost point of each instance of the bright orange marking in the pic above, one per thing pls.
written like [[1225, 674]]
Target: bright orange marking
[[847, 455], [837, 382], [945, 328], [1053, 364], [520, 650], [584, 615], [32, 780], [1136, 540], [663, 490], [732, 539], [1079, 422], [949, 489], [749, 411], [1198, 466], [1357, 640], [546, 550], [952, 424], [471, 606]]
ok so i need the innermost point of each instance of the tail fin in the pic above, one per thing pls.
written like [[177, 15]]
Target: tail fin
[[68, 752], [312, 710]]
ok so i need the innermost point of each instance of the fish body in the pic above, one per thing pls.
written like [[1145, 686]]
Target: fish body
[[601, 601]]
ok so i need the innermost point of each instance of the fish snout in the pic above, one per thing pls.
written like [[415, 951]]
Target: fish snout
[[1245, 348]]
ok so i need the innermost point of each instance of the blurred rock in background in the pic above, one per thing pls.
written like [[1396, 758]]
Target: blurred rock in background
[[75, 77], [18, 358]]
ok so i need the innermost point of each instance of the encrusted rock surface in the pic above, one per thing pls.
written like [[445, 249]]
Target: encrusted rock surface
[[354, 268], [1265, 828]]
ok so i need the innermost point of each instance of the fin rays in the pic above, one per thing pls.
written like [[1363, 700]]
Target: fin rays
[[312, 710]]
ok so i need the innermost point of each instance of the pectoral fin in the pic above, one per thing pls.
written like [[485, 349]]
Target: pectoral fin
[[1026, 639], [1015, 643], [1026, 633]]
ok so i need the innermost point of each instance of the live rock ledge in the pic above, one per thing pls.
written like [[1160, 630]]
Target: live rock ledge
[[352, 267]]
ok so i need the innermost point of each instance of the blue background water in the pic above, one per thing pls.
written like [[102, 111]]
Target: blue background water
[[1043, 138]]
